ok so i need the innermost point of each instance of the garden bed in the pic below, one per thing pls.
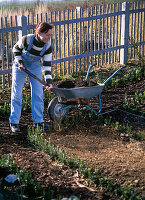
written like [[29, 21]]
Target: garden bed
[[100, 145]]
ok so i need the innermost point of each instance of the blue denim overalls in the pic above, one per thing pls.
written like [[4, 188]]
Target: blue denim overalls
[[33, 64]]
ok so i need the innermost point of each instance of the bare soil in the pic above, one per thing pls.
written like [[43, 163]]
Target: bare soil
[[99, 145]]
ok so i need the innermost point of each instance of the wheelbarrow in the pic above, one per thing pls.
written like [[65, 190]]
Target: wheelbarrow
[[58, 106]]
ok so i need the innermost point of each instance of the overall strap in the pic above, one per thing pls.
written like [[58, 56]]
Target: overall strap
[[31, 42], [44, 49]]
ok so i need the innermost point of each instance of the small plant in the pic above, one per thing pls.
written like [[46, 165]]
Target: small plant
[[5, 109], [139, 135], [108, 121], [124, 129], [134, 103], [26, 103]]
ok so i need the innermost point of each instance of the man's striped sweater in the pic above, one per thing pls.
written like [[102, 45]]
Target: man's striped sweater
[[36, 48]]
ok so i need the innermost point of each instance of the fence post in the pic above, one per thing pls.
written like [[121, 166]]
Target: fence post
[[22, 21], [124, 33]]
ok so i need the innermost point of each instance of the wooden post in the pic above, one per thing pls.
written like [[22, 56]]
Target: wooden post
[[124, 33], [22, 21]]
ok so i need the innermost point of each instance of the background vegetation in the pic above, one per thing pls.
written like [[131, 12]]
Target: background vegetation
[[35, 7]]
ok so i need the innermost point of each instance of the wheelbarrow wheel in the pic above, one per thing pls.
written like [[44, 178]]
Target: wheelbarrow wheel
[[56, 111]]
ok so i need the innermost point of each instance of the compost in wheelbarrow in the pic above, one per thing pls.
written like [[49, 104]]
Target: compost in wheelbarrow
[[57, 109]]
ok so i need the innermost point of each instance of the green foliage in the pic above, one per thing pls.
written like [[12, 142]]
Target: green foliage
[[47, 97], [139, 135], [26, 103], [7, 162], [31, 188], [134, 74], [134, 103], [5, 109]]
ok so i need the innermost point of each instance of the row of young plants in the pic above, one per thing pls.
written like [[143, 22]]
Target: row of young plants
[[38, 139], [25, 184], [22, 184], [137, 100], [125, 129], [122, 128]]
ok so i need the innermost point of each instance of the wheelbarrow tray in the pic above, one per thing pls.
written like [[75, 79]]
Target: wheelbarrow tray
[[79, 92], [57, 110]]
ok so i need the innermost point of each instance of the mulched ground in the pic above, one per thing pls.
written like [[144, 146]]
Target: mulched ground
[[100, 146]]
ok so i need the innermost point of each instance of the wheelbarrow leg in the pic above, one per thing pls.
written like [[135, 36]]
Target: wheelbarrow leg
[[99, 97]]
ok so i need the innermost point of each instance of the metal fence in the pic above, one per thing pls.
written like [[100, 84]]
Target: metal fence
[[102, 34]]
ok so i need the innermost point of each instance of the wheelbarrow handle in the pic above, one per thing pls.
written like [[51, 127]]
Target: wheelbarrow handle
[[32, 75], [114, 74], [87, 76]]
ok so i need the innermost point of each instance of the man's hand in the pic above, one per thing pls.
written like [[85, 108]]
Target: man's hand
[[48, 88], [21, 67]]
